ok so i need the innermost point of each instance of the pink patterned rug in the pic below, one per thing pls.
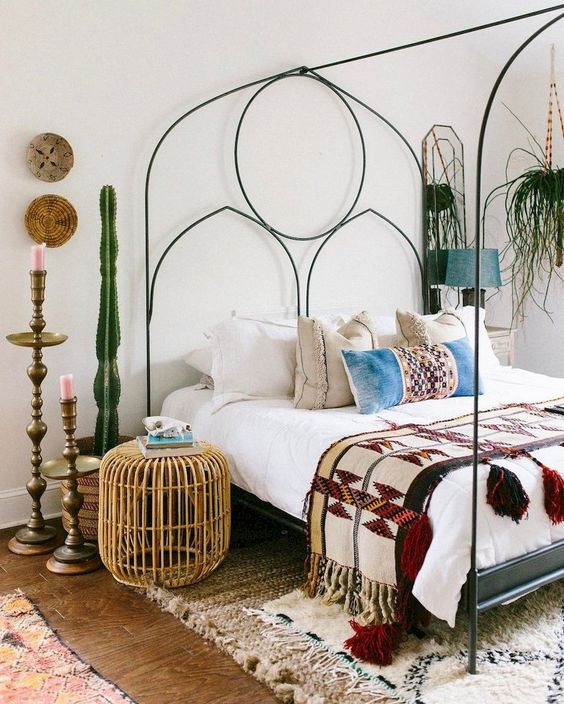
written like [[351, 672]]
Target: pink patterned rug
[[38, 668]]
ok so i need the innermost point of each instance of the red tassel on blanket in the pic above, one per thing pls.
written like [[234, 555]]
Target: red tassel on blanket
[[415, 546], [506, 494], [374, 643], [553, 494], [553, 483]]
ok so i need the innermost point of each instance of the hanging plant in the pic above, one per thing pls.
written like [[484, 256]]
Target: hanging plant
[[534, 204]]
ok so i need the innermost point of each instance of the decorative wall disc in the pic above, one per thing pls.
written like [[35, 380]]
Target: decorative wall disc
[[49, 157], [51, 219]]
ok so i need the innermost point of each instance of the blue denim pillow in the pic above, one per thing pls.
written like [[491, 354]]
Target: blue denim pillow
[[391, 376]]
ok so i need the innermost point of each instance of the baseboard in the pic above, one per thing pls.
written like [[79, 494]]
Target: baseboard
[[15, 504]]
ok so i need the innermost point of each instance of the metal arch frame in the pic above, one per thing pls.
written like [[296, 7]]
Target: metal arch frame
[[279, 236], [484, 588], [199, 221], [301, 74], [552, 559], [341, 225]]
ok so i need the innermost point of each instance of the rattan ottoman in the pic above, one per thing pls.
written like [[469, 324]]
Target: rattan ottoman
[[165, 521]]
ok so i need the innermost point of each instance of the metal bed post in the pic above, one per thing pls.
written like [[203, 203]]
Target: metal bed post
[[474, 581]]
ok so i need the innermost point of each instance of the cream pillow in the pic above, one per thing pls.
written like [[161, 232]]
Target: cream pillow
[[415, 329], [321, 379]]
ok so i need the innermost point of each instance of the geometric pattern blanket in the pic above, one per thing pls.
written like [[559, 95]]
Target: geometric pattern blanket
[[368, 530]]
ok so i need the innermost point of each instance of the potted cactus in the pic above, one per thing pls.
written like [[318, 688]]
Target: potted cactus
[[107, 386]]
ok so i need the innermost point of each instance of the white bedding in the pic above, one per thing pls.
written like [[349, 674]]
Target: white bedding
[[273, 451]]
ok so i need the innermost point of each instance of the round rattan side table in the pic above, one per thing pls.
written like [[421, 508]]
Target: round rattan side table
[[165, 520]]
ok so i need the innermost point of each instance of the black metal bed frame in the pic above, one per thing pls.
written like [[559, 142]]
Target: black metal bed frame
[[484, 588]]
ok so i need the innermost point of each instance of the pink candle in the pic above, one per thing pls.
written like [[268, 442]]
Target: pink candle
[[38, 257], [67, 387]]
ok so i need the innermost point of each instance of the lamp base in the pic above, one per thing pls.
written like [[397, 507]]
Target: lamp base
[[468, 298], [435, 303]]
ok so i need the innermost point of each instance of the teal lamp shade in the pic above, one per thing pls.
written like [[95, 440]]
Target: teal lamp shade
[[460, 270]]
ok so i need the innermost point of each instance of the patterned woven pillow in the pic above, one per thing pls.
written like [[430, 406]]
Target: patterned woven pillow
[[391, 376]]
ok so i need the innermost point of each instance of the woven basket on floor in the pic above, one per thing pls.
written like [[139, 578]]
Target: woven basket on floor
[[89, 488]]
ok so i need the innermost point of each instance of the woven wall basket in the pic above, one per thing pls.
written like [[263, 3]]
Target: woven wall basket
[[89, 488], [51, 219]]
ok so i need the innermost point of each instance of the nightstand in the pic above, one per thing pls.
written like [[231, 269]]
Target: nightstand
[[503, 343], [164, 520]]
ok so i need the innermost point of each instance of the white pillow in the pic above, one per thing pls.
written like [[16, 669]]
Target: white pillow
[[252, 359], [385, 328], [488, 358], [200, 359]]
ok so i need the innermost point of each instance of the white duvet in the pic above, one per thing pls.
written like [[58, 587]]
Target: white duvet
[[273, 451]]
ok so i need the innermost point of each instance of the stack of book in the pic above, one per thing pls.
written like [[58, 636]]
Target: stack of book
[[157, 446]]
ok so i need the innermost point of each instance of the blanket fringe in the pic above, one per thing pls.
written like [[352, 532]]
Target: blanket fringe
[[374, 643], [368, 601]]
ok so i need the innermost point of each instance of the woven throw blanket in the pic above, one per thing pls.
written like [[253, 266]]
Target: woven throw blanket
[[367, 520]]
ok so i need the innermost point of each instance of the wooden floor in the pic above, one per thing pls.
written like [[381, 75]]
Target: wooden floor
[[128, 639]]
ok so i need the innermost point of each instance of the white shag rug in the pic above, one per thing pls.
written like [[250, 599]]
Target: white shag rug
[[251, 609]]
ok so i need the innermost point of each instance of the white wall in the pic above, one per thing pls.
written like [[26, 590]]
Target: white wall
[[539, 337], [111, 76]]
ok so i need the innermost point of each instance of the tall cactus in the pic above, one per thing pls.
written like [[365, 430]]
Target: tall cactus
[[107, 387]]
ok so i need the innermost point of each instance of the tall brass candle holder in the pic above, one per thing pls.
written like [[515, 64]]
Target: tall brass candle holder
[[36, 538], [75, 556]]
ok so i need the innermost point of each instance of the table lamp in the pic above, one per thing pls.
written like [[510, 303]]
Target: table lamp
[[461, 272]]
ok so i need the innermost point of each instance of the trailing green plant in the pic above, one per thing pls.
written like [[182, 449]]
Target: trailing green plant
[[534, 207], [441, 217], [107, 387]]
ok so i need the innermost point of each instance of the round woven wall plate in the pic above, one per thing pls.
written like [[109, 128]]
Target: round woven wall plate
[[51, 219], [49, 157]]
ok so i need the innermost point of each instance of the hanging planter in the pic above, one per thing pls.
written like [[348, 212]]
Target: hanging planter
[[534, 203]]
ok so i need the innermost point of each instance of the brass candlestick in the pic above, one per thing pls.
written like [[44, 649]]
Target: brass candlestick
[[75, 556], [36, 538]]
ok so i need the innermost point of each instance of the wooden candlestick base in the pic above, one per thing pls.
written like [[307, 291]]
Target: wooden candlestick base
[[68, 561], [28, 547], [75, 556]]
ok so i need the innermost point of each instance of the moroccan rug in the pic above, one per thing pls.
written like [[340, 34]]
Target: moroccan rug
[[37, 668], [250, 609]]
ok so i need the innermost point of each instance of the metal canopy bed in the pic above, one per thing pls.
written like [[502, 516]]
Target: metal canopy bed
[[485, 588]]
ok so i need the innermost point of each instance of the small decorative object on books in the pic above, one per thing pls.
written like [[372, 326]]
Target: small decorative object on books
[[184, 440], [163, 426], [166, 449]]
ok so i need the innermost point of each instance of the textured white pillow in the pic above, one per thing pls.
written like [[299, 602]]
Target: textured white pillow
[[488, 359], [252, 359], [200, 359]]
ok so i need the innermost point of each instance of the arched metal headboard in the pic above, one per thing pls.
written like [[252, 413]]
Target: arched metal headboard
[[255, 217]]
